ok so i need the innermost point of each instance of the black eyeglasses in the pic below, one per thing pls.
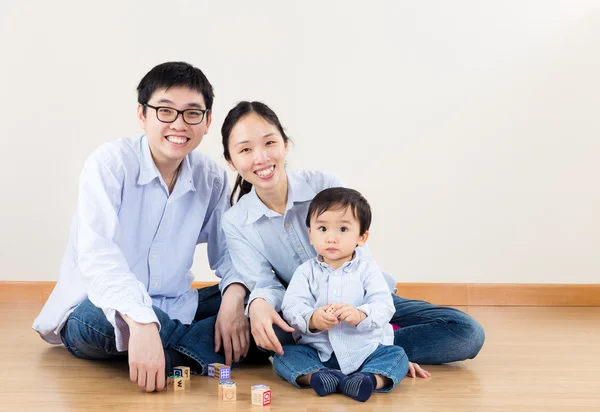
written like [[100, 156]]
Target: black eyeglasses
[[169, 115]]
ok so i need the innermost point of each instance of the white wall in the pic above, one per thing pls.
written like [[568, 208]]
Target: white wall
[[472, 127]]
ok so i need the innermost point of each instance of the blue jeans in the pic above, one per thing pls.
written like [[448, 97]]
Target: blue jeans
[[432, 335], [87, 333], [297, 360], [429, 334]]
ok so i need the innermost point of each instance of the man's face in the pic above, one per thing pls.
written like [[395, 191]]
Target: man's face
[[171, 142]]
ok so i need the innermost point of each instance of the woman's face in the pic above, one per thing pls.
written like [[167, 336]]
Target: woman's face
[[258, 152]]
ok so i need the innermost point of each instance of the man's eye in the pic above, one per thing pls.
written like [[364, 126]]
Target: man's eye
[[166, 110], [193, 113]]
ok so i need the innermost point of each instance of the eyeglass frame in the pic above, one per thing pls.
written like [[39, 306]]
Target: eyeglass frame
[[179, 112]]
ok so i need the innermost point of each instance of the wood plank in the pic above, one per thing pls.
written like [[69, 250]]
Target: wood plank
[[535, 359], [449, 294], [533, 295]]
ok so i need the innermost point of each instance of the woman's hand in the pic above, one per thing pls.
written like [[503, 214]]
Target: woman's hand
[[232, 329], [262, 318], [414, 370]]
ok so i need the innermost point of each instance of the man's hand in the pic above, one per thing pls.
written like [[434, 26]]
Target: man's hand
[[321, 319], [146, 355], [262, 318], [232, 327], [348, 313]]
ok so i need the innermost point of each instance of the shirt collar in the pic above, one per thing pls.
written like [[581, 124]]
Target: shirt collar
[[149, 171], [346, 267], [298, 191]]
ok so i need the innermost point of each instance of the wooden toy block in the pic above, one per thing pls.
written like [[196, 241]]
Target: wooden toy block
[[220, 371], [261, 395], [177, 383], [227, 391], [330, 309], [182, 371]]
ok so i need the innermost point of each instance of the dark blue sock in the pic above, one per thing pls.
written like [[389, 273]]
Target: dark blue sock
[[359, 386], [326, 381]]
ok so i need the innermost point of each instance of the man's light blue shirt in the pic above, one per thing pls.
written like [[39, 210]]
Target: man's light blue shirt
[[132, 244], [359, 283], [266, 248]]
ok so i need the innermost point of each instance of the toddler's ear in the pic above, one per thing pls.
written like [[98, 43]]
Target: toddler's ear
[[363, 238]]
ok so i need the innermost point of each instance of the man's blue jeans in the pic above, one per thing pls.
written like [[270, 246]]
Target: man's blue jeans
[[297, 360], [429, 334], [87, 333]]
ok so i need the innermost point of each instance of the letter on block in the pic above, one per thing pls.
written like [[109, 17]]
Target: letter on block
[[227, 391], [176, 383], [261, 395], [182, 371]]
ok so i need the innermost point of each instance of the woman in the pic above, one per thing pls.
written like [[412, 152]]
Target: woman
[[267, 239]]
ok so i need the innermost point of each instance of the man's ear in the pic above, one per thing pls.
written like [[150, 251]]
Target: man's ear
[[141, 117], [363, 238], [208, 121]]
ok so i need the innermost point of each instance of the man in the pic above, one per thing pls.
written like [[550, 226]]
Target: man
[[144, 204]]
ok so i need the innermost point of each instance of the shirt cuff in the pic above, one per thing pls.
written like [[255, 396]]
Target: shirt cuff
[[366, 324], [308, 332], [265, 294], [141, 314], [224, 283]]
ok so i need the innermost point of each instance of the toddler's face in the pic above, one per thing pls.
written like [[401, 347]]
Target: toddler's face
[[335, 234]]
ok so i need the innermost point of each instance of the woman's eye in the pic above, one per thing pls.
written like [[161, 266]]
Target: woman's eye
[[245, 150]]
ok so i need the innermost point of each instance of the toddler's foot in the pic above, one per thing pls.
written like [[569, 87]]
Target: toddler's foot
[[326, 381], [359, 386]]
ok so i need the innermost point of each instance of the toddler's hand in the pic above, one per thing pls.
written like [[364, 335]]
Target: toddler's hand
[[322, 320], [349, 313]]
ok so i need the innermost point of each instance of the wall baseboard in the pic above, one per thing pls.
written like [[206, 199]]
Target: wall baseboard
[[451, 294]]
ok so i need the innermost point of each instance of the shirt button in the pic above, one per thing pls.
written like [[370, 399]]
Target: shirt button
[[299, 249], [269, 218], [153, 256], [155, 284], [287, 225], [155, 184], [335, 292]]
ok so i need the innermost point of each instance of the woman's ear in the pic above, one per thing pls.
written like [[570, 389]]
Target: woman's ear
[[363, 238], [231, 166]]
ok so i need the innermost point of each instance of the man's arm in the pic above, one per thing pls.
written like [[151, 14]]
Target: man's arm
[[111, 286]]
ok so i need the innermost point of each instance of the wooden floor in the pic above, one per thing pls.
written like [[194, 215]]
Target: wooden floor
[[534, 359]]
